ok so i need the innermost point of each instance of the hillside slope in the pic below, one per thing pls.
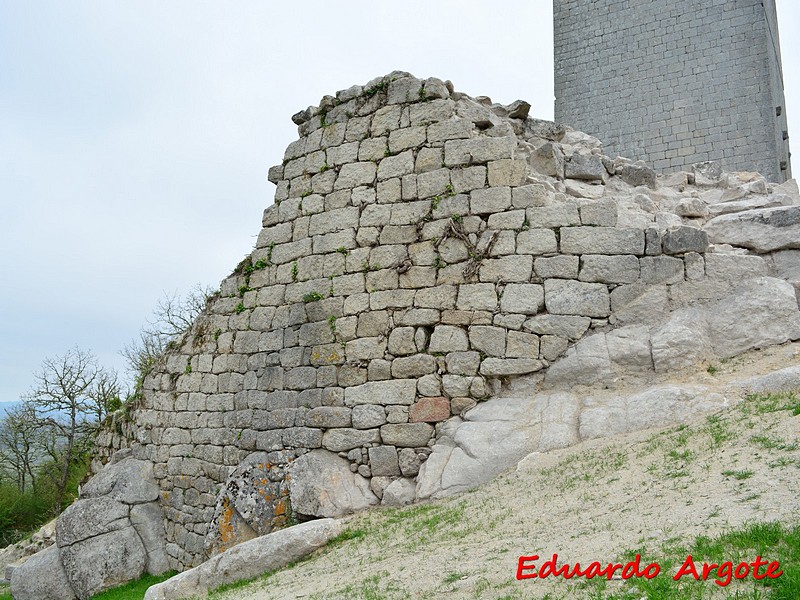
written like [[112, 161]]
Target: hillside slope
[[649, 490]]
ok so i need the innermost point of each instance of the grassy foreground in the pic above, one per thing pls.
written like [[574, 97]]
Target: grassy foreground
[[134, 590], [727, 552]]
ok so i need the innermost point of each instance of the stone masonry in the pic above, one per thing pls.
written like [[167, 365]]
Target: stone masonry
[[675, 82], [424, 248]]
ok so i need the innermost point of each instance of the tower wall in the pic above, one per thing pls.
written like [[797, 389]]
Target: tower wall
[[675, 82]]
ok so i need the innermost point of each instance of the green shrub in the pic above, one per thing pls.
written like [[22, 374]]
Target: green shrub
[[133, 590], [22, 513]]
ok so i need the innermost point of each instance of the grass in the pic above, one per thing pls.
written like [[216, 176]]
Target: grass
[[422, 524], [783, 462], [346, 535], [761, 404], [682, 455], [5, 593], [738, 475], [771, 541], [375, 587], [453, 577], [768, 443], [134, 590], [587, 467], [719, 430]]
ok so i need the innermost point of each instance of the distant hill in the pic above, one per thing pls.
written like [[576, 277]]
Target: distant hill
[[5, 406]]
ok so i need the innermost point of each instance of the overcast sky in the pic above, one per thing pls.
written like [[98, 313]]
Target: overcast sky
[[135, 137]]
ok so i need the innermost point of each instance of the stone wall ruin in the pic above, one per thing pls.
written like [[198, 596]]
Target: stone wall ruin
[[425, 247]]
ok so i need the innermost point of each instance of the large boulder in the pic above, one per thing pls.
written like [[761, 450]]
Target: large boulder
[[493, 437], [90, 517], [762, 230], [785, 380], [682, 342], [248, 560], [42, 577], [104, 561], [148, 521], [654, 407], [759, 313], [786, 265], [586, 363], [111, 535], [129, 481], [399, 493], [322, 485], [500, 432], [253, 502]]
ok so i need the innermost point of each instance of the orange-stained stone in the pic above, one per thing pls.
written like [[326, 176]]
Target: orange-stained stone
[[280, 508], [225, 524]]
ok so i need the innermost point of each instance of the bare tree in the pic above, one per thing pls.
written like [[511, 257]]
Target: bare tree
[[142, 354], [63, 398], [104, 395], [20, 446], [171, 319], [174, 315]]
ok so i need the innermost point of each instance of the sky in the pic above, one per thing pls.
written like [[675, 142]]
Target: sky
[[135, 137], [6, 406]]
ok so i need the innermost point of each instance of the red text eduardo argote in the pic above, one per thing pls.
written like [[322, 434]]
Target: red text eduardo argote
[[722, 574]]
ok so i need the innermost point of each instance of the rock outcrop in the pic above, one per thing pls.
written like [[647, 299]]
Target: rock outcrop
[[112, 534], [519, 425], [248, 560], [14, 555]]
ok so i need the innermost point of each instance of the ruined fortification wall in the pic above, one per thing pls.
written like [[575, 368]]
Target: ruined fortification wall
[[423, 247], [675, 82]]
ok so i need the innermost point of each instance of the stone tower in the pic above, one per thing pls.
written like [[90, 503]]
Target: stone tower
[[675, 82]]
